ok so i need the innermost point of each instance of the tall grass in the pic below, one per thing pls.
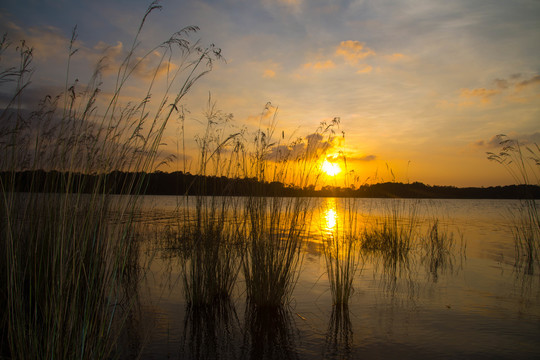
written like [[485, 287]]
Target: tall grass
[[393, 234], [63, 258], [276, 225], [210, 254], [209, 239], [391, 238], [273, 257], [341, 245], [523, 164]]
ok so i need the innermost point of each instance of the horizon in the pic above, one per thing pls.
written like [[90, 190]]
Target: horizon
[[421, 88]]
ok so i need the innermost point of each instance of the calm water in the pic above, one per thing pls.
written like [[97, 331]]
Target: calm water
[[474, 305]]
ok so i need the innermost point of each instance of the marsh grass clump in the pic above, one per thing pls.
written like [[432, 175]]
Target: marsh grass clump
[[341, 245], [272, 259], [393, 235], [523, 164], [210, 254], [67, 242], [390, 240], [275, 225], [209, 238]]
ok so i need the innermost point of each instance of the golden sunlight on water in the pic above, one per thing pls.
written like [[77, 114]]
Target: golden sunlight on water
[[329, 216]]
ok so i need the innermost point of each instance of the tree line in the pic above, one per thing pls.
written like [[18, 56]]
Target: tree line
[[180, 183]]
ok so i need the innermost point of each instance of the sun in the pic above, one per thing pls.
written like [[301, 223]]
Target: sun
[[331, 169]]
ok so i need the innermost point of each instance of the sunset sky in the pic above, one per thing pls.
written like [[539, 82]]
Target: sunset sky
[[421, 86]]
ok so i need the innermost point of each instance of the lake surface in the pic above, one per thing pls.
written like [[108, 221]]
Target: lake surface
[[473, 304]]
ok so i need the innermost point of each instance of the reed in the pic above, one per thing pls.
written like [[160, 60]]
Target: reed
[[209, 239], [393, 234], [390, 239], [64, 259], [341, 245], [276, 225], [523, 164], [273, 257], [210, 255]]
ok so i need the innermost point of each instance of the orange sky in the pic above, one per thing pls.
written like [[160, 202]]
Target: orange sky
[[421, 87]]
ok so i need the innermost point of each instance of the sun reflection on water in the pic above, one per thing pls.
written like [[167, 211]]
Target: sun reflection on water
[[330, 216]]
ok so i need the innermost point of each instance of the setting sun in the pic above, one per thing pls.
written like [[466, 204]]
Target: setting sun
[[331, 169]]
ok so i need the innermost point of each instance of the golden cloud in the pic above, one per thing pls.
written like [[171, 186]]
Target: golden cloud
[[482, 94], [320, 65], [353, 51], [47, 41], [396, 57], [150, 66], [268, 74], [269, 112], [365, 70]]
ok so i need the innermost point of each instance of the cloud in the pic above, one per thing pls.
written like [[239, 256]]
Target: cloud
[[510, 90], [291, 2], [365, 158], [288, 6], [320, 65], [311, 147], [501, 83], [365, 70], [396, 57], [353, 51], [265, 117], [492, 143], [268, 74], [484, 95], [47, 41], [495, 141], [535, 80]]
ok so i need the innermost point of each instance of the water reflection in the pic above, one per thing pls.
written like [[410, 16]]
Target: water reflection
[[439, 253], [339, 336], [211, 332], [330, 216], [409, 299], [270, 333]]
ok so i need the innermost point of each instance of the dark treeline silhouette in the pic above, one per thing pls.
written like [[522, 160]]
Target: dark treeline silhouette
[[179, 183]]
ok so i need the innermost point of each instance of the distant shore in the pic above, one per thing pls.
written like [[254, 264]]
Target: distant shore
[[179, 183]]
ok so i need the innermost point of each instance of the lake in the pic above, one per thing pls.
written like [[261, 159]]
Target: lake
[[471, 302]]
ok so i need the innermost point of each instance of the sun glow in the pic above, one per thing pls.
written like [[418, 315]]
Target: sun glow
[[331, 169]]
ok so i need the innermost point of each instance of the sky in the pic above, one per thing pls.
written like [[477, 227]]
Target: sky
[[421, 87]]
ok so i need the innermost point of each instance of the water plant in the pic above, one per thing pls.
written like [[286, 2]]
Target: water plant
[[64, 258], [392, 235], [209, 254], [390, 239], [523, 163], [276, 225], [209, 238], [341, 244]]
